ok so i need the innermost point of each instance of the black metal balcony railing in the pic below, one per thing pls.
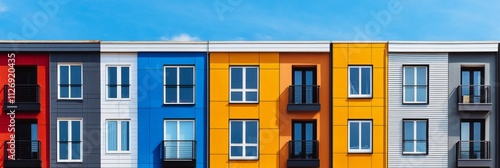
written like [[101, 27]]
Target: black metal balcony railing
[[470, 150], [24, 150], [303, 149], [27, 97], [303, 94], [477, 94], [179, 150]]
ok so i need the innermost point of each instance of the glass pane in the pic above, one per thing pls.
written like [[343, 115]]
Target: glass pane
[[236, 78], [297, 131], [171, 94], [236, 96], [75, 150], [251, 78], [309, 131], [466, 78], [365, 80], [309, 78], [421, 146], [408, 146], [64, 75], [309, 94], [354, 135], [64, 91], [112, 79], [171, 76], [76, 74], [112, 91], [465, 131], [422, 93], [63, 131], [186, 131], [125, 91], [421, 130], [297, 75], [409, 75], [365, 135], [170, 130], [63, 150], [477, 77], [298, 94], [409, 93], [186, 94], [421, 75], [354, 80], [251, 151], [125, 136], [186, 76], [251, 96], [251, 132], [236, 151], [408, 129], [236, 132], [171, 149], [125, 76], [75, 131], [112, 136], [76, 91], [185, 149]]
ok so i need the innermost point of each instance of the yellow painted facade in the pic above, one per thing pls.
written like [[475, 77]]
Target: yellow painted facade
[[345, 108]]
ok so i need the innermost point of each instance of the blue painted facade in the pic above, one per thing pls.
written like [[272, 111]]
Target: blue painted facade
[[152, 111]]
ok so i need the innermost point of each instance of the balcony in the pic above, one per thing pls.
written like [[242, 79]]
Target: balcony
[[303, 98], [473, 154], [27, 154], [303, 153], [27, 98], [474, 98], [179, 153]]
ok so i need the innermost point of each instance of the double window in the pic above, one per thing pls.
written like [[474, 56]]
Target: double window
[[118, 132], [179, 139], [415, 136], [69, 81], [415, 84], [244, 84], [179, 85], [360, 81], [360, 136], [69, 140], [243, 139], [118, 82]]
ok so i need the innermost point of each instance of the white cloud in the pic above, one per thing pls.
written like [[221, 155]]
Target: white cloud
[[181, 37]]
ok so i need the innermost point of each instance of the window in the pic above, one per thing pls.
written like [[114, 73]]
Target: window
[[244, 84], [118, 83], [360, 136], [179, 85], [243, 137], [360, 81], [69, 140], [179, 139], [415, 84], [70, 81], [118, 136], [414, 136]]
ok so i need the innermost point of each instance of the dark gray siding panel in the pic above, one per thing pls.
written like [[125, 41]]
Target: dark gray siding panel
[[50, 47], [87, 109]]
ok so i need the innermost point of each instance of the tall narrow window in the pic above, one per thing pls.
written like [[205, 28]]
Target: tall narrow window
[[360, 136], [70, 81], [243, 137], [360, 81], [118, 82], [415, 136], [69, 140], [179, 85], [118, 135], [179, 142], [244, 82], [415, 84]]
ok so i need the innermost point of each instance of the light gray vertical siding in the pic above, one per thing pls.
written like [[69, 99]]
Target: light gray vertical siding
[[436, 111]]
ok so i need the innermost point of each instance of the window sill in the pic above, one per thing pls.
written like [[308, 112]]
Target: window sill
[[415, 153], [117, 152], [244, 159], [360, 152], [416, 103], [244, 102], [178, 103], [116, 99], [360, 96], [70, 161]]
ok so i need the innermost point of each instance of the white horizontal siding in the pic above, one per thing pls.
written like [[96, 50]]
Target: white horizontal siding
[[436, 111], [119, 109]]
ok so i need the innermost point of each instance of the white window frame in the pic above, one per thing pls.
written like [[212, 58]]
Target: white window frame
[[359, 150], [178, 132], [69, 80], [244, 90], [178, 85], [415, 136], [359, 95], [244, 144], [69, 141], [118, 136], [415, 86], [118, 81]]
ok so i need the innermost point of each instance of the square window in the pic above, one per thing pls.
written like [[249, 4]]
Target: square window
[[179, 85], [69, 140], [360, 136], [360, 81], [244, 84], [118, 136], [415, 136], [415, 84], [244, 135], [69, 79], [179, 142], [118, 82]]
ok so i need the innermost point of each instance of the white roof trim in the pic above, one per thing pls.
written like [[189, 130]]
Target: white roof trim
[[153, 46], [452, 46], [269, 46]]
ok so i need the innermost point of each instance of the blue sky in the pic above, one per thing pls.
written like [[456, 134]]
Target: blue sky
[[182, 20]]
